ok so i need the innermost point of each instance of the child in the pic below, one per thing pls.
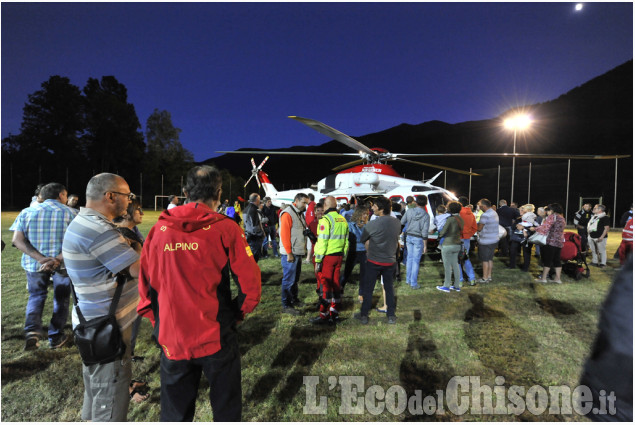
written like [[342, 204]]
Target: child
[[440, 219]]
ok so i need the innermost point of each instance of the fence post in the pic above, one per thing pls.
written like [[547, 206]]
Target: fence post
[[529, 184], [11, 180], [566, 209], [469, 192], [615, 195], [498, 185]]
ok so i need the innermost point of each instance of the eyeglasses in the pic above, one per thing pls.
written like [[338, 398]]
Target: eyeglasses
[[130, 195]]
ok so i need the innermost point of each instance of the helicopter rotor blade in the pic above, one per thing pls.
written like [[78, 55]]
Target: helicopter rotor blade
[[511, 155], [263, 163], [425, 164], [348, 164], [336, 135], [293, 153], [248, 180]]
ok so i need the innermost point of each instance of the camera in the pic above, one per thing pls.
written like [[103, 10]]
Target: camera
[[308, 233]]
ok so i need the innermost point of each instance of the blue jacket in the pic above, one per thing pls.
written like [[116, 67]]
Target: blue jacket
[[357, 232]]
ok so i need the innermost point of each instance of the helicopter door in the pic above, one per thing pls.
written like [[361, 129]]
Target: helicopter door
[[329, 183]]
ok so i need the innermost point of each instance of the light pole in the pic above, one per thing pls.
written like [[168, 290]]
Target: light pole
[[519, 122]]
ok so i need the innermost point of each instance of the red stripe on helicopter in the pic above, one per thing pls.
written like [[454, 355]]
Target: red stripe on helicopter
[[383, 169]]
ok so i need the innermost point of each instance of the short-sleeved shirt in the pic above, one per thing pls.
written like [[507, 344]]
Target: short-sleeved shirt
[[44, 226], [18, 220], [383, 233], [596, 225], [489, 234], [94, 252]]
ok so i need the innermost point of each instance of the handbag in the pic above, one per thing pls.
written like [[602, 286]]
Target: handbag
[[99, 340], [462, 254], [462, 251], [537, 239]]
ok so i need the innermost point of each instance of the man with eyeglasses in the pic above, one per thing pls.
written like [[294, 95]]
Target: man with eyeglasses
[[94, 253]]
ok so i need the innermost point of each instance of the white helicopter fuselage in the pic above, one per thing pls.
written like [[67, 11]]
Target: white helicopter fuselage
[[364, 182]]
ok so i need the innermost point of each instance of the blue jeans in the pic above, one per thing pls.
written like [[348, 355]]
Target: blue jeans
[[373, 271], [290, 277], [415, 249], [469, 270], [404, 256], [255, 243], [270, 231], [37, 284]]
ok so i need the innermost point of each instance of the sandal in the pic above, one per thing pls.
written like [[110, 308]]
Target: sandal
[[138, 391], [138, 395]]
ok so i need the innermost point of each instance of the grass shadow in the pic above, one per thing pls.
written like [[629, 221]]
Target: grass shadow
[[30, 365], [254, 331], [512, 354], [298, 355], [422, 368], [266, 280], [567, 316]]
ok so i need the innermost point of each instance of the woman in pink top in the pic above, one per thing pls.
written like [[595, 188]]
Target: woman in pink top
[[553, 227]]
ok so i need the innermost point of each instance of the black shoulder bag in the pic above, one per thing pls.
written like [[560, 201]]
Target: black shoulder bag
[[99, 340]]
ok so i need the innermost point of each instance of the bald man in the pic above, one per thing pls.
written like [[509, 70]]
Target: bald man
[[330, 247], [95, 253]]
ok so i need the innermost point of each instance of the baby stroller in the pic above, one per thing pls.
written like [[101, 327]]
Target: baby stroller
[[572, 257]]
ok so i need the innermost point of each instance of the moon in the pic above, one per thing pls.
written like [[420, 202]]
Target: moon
[[578, 7]]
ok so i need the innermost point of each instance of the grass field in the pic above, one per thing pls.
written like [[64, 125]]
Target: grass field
[[529, 333]]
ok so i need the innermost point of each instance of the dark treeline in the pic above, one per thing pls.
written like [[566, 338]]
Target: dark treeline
[[68, 135]]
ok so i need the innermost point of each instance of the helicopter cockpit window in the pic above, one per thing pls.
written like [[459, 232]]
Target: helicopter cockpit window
[[420, 189]]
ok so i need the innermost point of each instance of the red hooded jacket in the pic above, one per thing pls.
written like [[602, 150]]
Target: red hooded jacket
[[469, 223], [184, 280]]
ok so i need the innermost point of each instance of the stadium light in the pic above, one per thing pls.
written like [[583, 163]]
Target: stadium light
[[518, 122]]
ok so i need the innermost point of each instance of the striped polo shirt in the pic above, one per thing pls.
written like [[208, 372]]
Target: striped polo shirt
[[94, 252]]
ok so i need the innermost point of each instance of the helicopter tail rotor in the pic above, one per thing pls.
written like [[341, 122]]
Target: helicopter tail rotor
[[255, 170]]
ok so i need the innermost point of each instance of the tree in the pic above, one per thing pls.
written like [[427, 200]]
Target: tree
[[49, 142], [165, 155], [113, 140]]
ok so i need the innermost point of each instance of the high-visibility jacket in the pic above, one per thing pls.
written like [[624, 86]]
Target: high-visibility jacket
[[332, 236], [627, 232]]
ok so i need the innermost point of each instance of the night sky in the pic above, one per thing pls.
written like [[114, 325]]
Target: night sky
[[231, 73]]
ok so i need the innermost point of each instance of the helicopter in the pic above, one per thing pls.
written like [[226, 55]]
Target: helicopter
[[370, 176], [365, 178]]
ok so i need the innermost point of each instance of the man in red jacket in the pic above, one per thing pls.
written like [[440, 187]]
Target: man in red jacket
[[185, 291]]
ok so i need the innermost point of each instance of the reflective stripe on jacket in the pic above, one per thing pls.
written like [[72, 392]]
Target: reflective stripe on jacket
[[332, 236]]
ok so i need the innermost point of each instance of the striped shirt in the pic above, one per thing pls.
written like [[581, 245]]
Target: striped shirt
[[94, 252], [44, 226]]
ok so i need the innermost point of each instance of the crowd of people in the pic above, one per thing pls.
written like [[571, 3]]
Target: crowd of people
[[179, 276]]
